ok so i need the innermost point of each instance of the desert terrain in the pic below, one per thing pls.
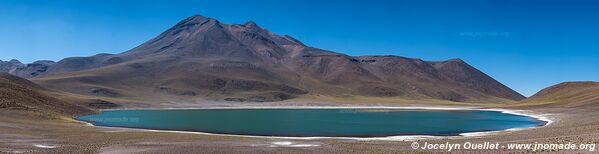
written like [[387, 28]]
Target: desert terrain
[[201, 62], [34, 129]]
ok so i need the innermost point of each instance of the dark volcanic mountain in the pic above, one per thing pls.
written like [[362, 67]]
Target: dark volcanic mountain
[[201, 57]]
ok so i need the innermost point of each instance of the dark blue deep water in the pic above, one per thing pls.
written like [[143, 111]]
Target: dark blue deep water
[[315, 122]]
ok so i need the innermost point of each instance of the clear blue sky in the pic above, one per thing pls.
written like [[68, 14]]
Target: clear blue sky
[[525, 44]]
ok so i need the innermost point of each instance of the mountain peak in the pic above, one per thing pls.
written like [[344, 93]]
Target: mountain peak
[[202, 57], [192, 20], [45, 62], [197, 17], [15, 61], [456, 60], [250, 24]]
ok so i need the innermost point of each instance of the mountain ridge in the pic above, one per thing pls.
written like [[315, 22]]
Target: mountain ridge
[[201, 57]]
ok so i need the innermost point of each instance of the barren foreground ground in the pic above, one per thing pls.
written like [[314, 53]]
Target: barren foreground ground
[[24, 132]]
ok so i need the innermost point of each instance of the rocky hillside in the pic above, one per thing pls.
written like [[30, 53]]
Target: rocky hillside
[[20, 94], [201, 57]]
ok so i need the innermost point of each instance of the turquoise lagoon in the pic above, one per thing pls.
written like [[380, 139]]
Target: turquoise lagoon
[[328, 122]]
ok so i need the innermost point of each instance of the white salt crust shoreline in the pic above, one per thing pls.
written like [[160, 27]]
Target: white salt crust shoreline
[[44, 146], [542, 117]]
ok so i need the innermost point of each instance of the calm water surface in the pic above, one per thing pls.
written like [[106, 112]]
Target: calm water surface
[[315, 122]]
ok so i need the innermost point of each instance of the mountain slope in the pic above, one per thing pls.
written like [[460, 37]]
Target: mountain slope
[[20, 94], [567, 94], [201, 57]]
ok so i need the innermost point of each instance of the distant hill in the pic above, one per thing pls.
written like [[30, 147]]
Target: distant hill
[[201, 57], [17, 68], [20, 94], [567, 94]]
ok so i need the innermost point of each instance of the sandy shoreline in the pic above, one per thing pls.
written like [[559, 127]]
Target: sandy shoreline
[[21, 132]]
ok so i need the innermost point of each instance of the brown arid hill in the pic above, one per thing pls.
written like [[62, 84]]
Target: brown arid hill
[[202, 58], [567, 94], [23, 95]]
